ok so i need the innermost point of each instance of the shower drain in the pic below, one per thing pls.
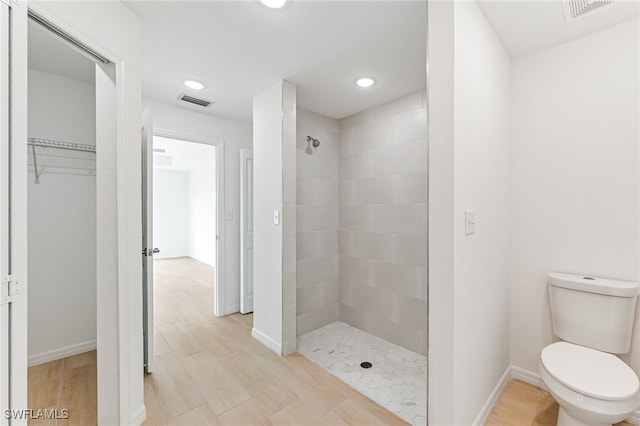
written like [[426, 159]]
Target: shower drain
[[366, 364]]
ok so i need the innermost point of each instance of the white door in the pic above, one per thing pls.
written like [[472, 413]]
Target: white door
[[246, 231], [13, 210], [147, 239]]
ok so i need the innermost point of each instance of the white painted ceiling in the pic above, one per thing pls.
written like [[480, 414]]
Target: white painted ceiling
[[48, 53], [525, 26], [239, 48]]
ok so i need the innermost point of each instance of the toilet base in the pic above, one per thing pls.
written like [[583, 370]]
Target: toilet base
[[566, 419]]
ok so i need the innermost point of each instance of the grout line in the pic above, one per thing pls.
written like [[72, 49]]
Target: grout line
[[235, 406]]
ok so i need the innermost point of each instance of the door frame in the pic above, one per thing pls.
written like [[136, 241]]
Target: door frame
[[219, 308], [116, 256], [148, 326], [245, 154], [13, 211]]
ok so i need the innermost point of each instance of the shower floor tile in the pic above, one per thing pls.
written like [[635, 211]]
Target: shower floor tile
[[397, 379]]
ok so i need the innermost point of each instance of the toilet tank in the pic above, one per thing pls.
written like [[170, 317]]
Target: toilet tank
[[594, 312]]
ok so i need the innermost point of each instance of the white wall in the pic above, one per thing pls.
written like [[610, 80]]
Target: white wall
[[574, 175], [170, 213], [61, 224], [274, 245], [185, 216], [236, 135], [481, 183], [441, 397], [202, 207], [468, 89], [61, 108], [267, 236]]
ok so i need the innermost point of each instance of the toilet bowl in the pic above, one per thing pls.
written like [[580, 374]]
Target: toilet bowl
[[592, 387], [594, 318]]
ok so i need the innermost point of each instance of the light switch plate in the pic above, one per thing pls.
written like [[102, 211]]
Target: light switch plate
[[276, 217], [228, 215], [469, 222]]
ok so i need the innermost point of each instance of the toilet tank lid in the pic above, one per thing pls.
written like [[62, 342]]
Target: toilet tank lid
[[593, 284]]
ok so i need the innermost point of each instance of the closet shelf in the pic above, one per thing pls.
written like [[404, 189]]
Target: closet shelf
[[46, 143], [61, 157]]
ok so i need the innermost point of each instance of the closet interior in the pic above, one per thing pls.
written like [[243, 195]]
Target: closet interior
[[61, 225]]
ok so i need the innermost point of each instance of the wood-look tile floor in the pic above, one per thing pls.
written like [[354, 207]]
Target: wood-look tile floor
[[210, 371], [68, 383], [525, 404]]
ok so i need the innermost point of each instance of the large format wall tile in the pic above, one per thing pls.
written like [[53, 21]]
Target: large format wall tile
[[361, 221], [317, 222], [382, 240]]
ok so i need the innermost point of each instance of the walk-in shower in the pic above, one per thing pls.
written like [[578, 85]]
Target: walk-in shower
[[362, 250]]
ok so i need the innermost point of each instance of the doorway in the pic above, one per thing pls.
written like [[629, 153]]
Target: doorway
[[61, 226], [185, 232]]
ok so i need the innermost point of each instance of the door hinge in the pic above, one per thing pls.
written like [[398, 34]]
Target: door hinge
[[10, 288]]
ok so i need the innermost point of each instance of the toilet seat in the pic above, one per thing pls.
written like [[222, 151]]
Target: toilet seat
[[590, 372]]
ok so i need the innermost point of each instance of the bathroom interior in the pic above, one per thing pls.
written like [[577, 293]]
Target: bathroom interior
[[529, 163], [523, 103], [540, 149]]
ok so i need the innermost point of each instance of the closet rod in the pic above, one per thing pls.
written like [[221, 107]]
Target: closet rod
[[45, 143]]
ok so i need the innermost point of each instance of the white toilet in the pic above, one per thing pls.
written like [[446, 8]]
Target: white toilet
[[594, 318]]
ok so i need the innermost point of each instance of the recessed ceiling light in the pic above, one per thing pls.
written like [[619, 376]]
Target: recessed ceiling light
[[194, 84], [365, 82], [273, 4]]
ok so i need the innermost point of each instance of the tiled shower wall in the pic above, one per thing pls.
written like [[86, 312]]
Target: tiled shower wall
[[383, 222], [362, 222], [317, 222]]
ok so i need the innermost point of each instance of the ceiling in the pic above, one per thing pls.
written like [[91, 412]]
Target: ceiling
[[239, 48], [49, 53], [525, 26]]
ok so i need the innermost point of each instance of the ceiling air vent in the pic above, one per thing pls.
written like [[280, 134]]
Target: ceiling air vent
[[196, 101], [574, 9]]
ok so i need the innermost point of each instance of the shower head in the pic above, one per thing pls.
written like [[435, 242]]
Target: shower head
[[311, 141]]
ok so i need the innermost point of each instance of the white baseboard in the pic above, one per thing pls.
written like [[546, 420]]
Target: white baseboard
[[60, 353], [139, 416], [231, 310], [527, 376], [289, 347], [533, 378], [266, 340], [493, 398]]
